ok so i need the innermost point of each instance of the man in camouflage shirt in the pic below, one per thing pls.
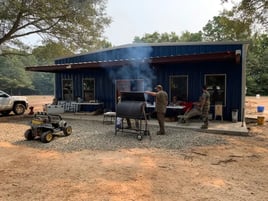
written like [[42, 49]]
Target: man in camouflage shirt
[[205, 106]]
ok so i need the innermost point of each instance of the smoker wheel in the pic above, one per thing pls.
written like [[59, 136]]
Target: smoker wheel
[[139, 137]]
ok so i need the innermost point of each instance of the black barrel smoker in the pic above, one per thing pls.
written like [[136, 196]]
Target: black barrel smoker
[[132, 106]]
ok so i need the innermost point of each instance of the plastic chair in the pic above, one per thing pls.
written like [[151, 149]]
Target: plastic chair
[[218, 111]]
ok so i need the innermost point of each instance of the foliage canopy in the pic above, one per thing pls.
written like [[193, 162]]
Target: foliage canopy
[[168, 37], [253, 11], [79, 24]]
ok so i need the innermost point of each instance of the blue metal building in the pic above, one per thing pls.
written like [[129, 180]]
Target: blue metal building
[[181, 68]]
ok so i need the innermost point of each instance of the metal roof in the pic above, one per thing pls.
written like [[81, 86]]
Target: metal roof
[[218, 56], [160, 45]]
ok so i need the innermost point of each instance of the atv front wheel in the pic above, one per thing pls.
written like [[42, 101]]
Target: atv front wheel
[[29, 134], [67, 130], [47, 136]]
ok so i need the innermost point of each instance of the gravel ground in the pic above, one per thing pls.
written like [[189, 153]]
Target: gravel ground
[[178, 166], [94, 135]]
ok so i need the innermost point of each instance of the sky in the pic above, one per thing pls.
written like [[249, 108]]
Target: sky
[[132, 18]]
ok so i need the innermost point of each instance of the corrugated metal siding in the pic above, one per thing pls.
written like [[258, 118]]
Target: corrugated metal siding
[[105, 78], [196, 74]]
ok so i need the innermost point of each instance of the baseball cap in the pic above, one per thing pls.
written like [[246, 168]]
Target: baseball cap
[[159, 87]]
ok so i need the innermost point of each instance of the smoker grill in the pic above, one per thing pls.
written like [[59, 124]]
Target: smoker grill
[[132, 106]]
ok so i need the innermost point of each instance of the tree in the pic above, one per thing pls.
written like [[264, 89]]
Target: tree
[[43, 83], [166, 37], [224, 28], [148, 38], [49, 51], [245, 21], [13, 77], [77, 24], [46, 54], [257, 65], [191, 37], [254, 11]]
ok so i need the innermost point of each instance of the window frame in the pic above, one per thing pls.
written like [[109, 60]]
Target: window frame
[[210, 90], [94, 88], [186, 88], [72, 89]]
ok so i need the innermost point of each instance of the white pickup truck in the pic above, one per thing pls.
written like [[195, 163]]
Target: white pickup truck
[[17, 104]]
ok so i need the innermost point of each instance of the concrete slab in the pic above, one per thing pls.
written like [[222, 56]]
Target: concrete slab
[[220, 127], [215, 126]]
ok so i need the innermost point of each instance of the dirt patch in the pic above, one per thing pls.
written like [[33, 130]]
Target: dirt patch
[[236, 170], [39, 101]]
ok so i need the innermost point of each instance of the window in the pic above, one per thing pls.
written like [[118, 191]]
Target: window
[[88, 89], [3, 95], [179, 87], [216, 85], [67, 91]]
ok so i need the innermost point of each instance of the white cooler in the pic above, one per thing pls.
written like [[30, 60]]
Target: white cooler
[[55, 109]]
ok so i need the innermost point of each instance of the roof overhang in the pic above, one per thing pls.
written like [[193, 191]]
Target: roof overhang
[[208, 57]]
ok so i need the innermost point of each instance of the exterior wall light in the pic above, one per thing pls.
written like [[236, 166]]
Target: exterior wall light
[[237, 56]]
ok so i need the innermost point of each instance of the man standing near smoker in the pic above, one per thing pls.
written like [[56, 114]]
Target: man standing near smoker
[[161, 101], [205, 106]]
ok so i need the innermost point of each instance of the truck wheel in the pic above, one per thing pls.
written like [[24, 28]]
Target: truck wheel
[[46, 137], [19, 109], [67, 130], [29, 134]]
